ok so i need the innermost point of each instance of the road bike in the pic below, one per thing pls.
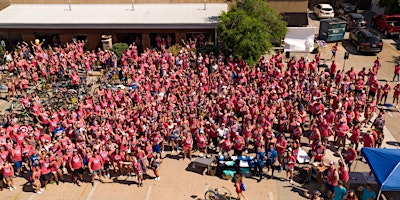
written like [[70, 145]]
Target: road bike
[[215, 194]]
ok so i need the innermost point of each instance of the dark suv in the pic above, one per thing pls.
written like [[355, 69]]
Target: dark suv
[[355, 21], [366, 41], [345, 8]]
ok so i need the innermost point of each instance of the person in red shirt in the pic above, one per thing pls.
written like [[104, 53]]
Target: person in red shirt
[[386, 88], [341, 130], [397, 72], [8, 172], [137, 167], [368, 139], [187, 146], [289, 161], [45, 165], [396, 93], [202, 142], [76, 164], [332, 178], [281, 145], [238, 144], [96, 166], [16, 156], [350, 156], [333, 69], [35, 177]]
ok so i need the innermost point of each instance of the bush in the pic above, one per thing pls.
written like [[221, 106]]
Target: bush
[[119, 49], [207, 49], [174, 49], [1, 54]]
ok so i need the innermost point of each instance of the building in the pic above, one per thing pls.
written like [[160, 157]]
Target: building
[[146, 21], [294, 12]]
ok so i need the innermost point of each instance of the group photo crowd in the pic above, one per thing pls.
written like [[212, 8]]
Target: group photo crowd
[[145, 104]]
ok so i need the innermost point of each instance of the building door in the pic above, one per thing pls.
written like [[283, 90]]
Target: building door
[[130, 38]]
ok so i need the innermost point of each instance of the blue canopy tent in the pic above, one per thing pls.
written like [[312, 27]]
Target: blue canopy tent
[[385, 164]]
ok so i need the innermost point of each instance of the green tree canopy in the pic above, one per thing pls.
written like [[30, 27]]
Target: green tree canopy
[[391, 6], [248, 28]]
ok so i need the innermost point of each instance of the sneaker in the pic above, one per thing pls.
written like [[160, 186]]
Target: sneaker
[[39, 192], [162, 151], [173, 151], [14, 187], [246, 152], [46, 187], [178, 151], [291, 181], [280, 169], [92, 183], [141, 184], [101, 180], [11, 189], [158, 178]]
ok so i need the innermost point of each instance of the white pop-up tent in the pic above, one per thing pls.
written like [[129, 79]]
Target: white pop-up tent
[[299, 39]]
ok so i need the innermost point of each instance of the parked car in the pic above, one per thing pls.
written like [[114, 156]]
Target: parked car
[[366, 41], [345, 8], [355, 21], [389, 24], [324, 11]]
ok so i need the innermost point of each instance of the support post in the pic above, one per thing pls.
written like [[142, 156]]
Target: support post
[[205, 4], [69, 5], [133, 4]]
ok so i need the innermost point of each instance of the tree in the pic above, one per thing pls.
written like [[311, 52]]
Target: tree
[[248, 28], [391, 6]]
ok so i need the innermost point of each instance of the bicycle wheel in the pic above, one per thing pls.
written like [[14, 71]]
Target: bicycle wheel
[[211, 195]]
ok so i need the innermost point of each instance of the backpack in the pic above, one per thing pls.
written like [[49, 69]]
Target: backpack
[[242, 186]]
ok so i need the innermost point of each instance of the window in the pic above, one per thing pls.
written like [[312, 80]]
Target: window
[[158, 40]]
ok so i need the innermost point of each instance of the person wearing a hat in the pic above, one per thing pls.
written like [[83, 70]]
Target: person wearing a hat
[[368, 139], [332, 178]]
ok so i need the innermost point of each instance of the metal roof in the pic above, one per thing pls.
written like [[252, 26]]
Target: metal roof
[[111, 16]]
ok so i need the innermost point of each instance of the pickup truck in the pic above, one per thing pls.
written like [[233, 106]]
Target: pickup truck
[[389, 24]]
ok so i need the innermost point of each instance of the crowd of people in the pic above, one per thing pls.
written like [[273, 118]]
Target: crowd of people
[[212, 103]]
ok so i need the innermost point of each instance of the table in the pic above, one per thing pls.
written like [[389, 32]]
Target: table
[[302, 157], [362, 178], [203, 162], [317, 172]]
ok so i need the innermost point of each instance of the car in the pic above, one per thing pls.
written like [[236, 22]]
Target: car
[[388, 24], [345, 8], [324, 11], [355, 21], [366, 41]]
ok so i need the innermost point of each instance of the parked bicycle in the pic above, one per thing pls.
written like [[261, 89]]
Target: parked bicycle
[[215, 194]]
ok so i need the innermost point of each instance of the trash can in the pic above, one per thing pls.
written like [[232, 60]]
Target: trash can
[[106, 40]]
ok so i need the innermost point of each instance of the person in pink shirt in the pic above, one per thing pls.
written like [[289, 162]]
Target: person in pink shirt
[[76, 164], [96, 166], [137, 167], [281, 145], [45, 168], [238, 144]]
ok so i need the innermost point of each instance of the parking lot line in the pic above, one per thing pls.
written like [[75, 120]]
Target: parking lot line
[[148, 193], [92, 192], [33, 196], [271, 196]]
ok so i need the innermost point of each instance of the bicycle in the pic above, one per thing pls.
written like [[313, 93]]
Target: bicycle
[[214, 194]]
